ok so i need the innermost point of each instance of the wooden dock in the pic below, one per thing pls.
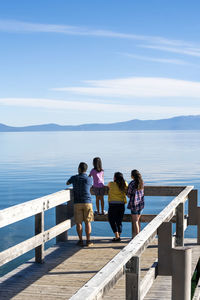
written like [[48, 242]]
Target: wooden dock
[[156, 264], [68, 267]]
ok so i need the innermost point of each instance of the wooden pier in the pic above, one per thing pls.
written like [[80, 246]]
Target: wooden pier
[[156, 264]]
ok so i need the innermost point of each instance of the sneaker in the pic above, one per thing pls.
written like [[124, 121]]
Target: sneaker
[[89, 243], [80, 243], [96, 212], [104, 212], [116, 240]]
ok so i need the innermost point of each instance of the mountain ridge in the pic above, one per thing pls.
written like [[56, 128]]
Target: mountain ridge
[[191, 122]]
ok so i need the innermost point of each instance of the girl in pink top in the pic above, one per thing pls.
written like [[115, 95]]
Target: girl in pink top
[[97, 174]]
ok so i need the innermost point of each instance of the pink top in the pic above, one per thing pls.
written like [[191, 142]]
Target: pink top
[[98, 178]]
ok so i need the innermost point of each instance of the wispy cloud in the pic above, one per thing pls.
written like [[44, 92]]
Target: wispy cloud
[[158, 60], [138, 87], [137, 111], [191, 51], [153, 42]]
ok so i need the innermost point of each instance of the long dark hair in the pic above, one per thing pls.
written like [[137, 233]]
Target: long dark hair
[[97, 164], [119, 179], [138, 179]]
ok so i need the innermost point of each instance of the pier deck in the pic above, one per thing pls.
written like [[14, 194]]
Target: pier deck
[[149, 261], [67, 267]]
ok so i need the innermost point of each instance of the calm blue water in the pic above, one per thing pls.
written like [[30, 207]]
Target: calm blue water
[[36, 164]]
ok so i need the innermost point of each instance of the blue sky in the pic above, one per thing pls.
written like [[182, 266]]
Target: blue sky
[[75, 61]]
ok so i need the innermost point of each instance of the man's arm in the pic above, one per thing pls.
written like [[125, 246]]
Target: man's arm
[[69, 181]]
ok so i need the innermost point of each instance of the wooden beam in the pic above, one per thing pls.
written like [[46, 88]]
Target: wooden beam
[[30, 208], [158, 190], [20, 249], [127, 218], [163, 190]]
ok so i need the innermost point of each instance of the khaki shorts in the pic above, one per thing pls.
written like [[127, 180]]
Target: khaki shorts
[[83, 212]]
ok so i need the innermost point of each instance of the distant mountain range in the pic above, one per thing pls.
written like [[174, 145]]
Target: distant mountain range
[[176, 123]]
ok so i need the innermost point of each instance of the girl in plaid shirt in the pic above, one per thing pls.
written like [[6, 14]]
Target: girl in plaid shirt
[[136, 203]]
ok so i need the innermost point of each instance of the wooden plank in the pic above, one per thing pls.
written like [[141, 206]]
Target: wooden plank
[[104, 279], [33, 242], [163, 190], [158, 190], [30, 208], [66, 269], [145, 218]]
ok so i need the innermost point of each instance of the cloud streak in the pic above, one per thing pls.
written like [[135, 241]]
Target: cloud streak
[[137, 87], [158, 60], [154, 42], [137, 111], [191, 51]]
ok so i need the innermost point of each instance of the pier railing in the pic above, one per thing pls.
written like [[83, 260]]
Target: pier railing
[[170, 247]]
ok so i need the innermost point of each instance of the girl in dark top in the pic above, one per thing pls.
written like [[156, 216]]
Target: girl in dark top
[[136, 202]]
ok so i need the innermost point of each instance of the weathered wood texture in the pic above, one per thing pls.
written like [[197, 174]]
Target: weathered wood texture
[[35, 241], [151, 288], [132, 271], [30, 208], [66, 269], [181, 273], [158, 190], [127, 218], [39, 228], [105, 279]]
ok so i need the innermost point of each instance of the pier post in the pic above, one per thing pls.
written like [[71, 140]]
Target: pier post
[[133, 278], [180, 225], [64, 212], [181, 273], [198, 225], [39, 228], [192, 207], [164, 248]]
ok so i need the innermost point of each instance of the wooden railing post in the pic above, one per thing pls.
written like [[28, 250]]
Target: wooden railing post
[[164, 248], [180, 225], [198, 225], [64, 212], [133, 278], [192, 207], [181, 273], [39, 228]]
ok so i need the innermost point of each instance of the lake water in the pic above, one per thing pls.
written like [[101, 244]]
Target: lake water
[[39, 163]]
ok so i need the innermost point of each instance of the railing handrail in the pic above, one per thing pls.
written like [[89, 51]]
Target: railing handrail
[[30, 208], [94, 288]]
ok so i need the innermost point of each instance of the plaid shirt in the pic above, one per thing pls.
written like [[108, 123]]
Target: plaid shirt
[[136, 202]]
